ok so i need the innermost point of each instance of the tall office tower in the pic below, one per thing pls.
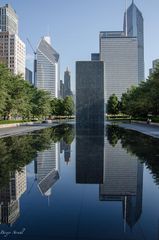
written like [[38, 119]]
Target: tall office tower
[[134, 27], [123, 181], [89, 94], [12, 49], [8, 20], [47, 76], [155, 63], [120, 56], [47, 168], [28, 75], [10, 195], [67, 83], [61, 89], [66, 148], [95, 57], [12, 52]]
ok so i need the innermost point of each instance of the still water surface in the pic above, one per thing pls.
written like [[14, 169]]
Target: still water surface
[[58, 185]]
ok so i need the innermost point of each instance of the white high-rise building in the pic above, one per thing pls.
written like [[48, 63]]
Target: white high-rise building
[[12, 48], [120, 56], [12, 52], [8, 20], [47, 77]]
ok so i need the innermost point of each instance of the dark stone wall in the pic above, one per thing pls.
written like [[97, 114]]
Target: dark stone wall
[[89, 94]]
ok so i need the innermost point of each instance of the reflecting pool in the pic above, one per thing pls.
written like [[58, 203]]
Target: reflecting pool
[[58, 183]]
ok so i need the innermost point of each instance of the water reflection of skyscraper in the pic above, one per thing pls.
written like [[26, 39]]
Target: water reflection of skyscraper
[[123, 181], [47, 167], [89, 155], [119, 174], [67, 151], [10, 196]]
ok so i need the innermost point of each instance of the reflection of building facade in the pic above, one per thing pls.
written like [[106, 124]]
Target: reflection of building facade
[[67, 151], [47, 168], [10, 195], [89, 156], [123, 181]]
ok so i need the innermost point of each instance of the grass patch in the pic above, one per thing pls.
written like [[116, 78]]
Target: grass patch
[[11, 121]]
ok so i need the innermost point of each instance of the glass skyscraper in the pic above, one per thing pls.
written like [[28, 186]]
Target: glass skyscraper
[[134, 27], [47, 68]]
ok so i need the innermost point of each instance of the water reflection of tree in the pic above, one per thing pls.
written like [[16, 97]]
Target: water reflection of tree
[[144, 147], [18, 151]]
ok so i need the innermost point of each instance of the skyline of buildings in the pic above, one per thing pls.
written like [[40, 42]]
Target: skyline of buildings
[[134, 28]]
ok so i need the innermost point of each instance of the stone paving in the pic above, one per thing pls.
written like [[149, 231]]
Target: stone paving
[[6, 132], [147, 129]]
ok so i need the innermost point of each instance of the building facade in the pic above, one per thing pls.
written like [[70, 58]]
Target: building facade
[[12, 52], [134, 27], [8, 20], [155, 63], [12, 48], [61, 89], [120, 56], [47, 76], [67, 83], [28, 75]]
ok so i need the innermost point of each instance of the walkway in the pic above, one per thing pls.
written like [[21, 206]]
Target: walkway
[[150, 130], [6, 132]]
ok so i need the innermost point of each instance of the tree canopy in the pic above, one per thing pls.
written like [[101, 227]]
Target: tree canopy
[[19, 99]]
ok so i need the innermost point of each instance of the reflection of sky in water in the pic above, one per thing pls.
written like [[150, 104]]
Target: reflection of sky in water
[[119, 207]]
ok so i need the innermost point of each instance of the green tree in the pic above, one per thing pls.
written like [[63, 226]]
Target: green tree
[[41, 103], [68, 106], [113, 105], [4, 78]]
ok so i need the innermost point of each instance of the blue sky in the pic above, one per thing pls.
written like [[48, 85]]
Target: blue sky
[[74, 26]]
